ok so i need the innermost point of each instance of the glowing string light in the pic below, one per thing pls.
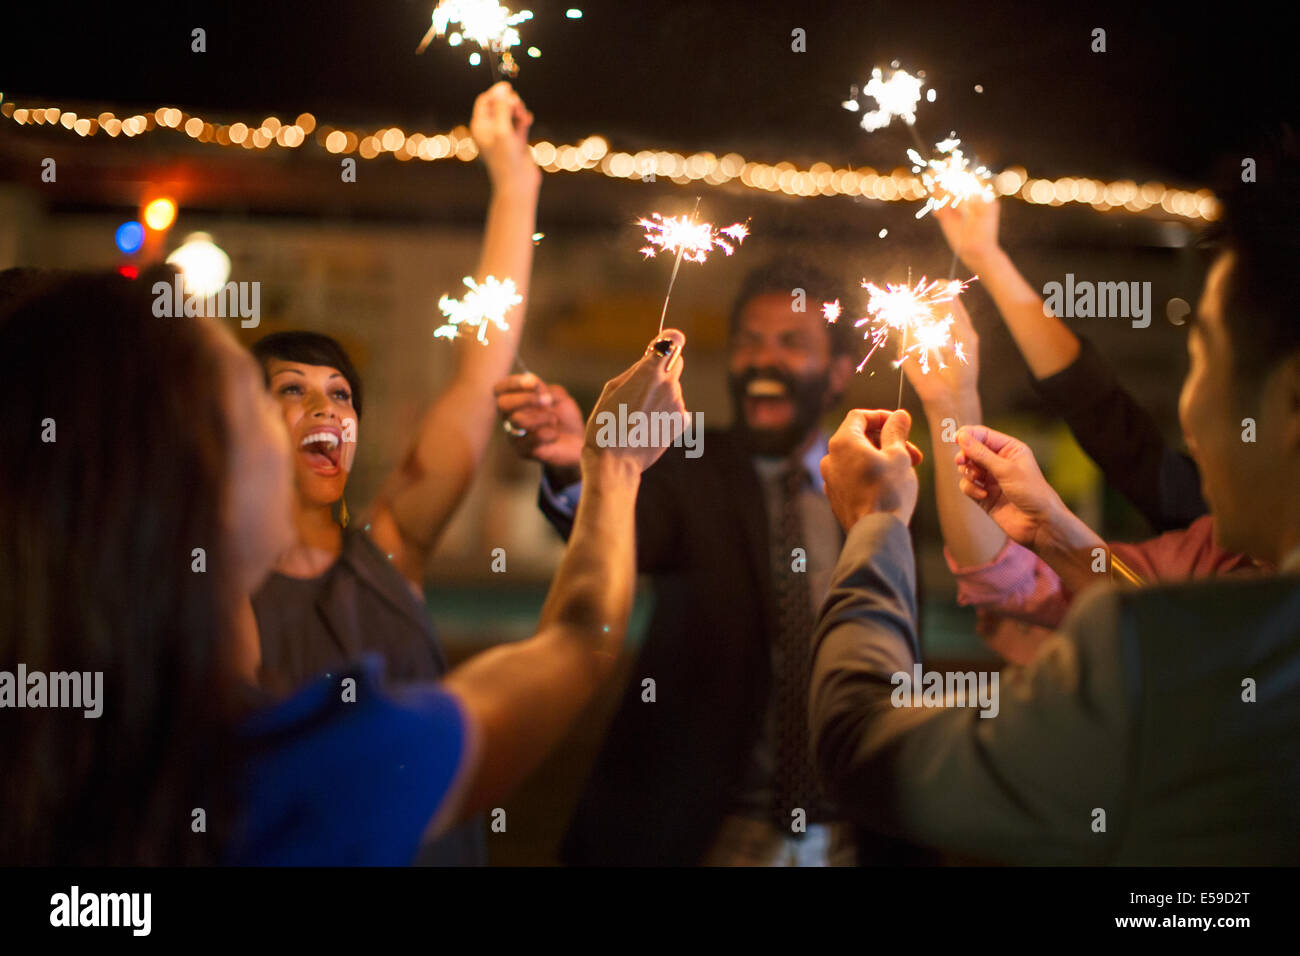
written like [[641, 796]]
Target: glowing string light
[[732, 169]]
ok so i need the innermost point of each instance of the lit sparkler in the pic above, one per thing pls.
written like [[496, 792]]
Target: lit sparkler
[[483, 306], [917, 313], [949, 178], [896, 96], [831, 310], [691, 240], [484, 22]]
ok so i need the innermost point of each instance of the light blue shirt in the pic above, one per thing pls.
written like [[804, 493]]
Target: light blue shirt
[[565, 500]]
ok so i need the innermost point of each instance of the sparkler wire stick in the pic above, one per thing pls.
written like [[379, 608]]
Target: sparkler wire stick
[[916, 137], [676, 265], [428, 38], [483, 22], [902, 355]]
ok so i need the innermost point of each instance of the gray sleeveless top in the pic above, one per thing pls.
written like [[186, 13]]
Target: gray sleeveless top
[[361, 605]]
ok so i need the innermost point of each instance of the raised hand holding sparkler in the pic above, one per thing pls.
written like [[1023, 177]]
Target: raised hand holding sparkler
[[870, 467], [500, 125], [950, 385], [971, 231], [949, 179]]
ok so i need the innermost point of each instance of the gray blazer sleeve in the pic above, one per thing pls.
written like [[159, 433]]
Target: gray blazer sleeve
[[1021, 786]]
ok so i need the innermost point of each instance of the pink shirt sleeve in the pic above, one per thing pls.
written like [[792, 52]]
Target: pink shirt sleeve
[[1016, 583]]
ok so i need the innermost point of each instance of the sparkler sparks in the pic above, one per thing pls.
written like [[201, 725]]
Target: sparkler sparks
[[694, 240], [917, 313], [896, 96], [483, 306], [831, 310], [949, 179], [689, 239], [484, 22]]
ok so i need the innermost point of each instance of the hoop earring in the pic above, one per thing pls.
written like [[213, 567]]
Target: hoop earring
[[343, 512]]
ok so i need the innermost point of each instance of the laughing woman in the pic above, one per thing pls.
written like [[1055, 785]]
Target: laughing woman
[[353, 585]]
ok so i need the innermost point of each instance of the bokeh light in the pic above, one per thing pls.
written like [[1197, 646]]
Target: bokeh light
[[160, 214], [204, 265]]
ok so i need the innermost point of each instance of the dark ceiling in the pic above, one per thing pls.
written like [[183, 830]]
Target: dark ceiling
[[1180, 87]]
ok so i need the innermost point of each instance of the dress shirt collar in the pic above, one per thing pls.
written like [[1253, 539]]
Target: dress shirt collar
[[812, 460]]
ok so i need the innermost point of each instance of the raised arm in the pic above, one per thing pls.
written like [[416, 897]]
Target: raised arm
[[519, 699], [1076, 383], [1045, 342], [950, 399], [421, 495]]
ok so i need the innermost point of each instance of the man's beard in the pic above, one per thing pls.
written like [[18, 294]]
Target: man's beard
[[808, 395]]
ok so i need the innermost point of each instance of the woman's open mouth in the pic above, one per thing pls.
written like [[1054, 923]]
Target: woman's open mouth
[[320, 448]]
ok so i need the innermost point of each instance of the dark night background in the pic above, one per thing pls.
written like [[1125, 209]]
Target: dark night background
[[1180, 85]]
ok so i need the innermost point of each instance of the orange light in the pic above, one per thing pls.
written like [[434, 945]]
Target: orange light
[[160, 214]]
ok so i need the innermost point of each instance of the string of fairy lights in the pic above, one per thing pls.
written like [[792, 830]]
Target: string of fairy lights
[[593, 154]]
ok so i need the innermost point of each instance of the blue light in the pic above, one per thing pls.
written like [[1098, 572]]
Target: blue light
[[129, 236]]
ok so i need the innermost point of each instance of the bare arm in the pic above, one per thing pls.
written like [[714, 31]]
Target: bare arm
[[420, 497], [1115, 431], [1045, 342], [950, 400], [520, 699]]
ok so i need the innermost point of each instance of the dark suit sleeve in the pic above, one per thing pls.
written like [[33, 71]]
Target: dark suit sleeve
[[1020, 786], [1124, 440], [658, 517], [560, 519]]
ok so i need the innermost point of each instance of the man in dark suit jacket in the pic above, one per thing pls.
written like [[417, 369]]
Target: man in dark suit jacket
[[692, 777], [1159, 726]]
